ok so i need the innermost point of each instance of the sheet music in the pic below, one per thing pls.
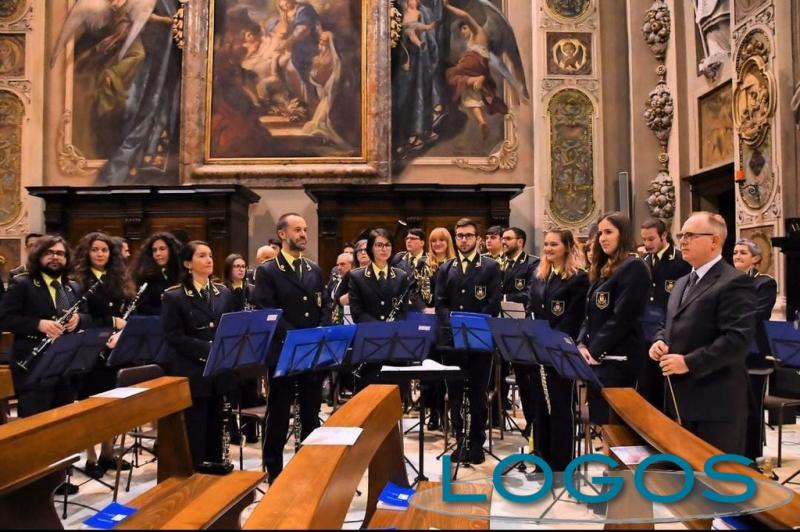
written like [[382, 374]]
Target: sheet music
[[121, 393], [632, 454], [427, 365], [347, 317], [512, 309], [333, 436]]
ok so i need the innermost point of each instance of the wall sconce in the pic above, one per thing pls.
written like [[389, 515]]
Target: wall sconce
[[751, 189]]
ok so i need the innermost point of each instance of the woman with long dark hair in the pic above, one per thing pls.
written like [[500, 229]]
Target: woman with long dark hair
[[611, 338], [157, 263], [189, 317], [98, 258], [234, 274], [557, 294]]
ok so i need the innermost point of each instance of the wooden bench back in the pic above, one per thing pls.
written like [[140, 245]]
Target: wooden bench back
[[316, 488], [6, 384], [33, 443], [668, 437]]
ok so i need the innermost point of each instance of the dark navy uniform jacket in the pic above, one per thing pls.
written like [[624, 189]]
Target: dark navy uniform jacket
[[560, 301], [373, 300], [518, 276]]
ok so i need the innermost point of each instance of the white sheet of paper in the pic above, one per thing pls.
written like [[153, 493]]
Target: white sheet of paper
[[513, 310], [427, 365], [632, 454], [121, 393], [333, 436]]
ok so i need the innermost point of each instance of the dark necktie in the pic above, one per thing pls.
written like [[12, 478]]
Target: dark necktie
[[381, 277], [693, 278], [62, 302], [298, 268]]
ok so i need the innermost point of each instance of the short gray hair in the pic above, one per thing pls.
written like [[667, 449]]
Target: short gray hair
[[755, 249], [716, 222]]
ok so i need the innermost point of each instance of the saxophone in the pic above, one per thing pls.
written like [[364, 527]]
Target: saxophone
[[423, 274]]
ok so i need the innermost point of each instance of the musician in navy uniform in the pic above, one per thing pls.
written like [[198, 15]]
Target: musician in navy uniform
[[30, 244], [413, 261], [190, 315], [157, 264], [611, 338], [29, 310], [703, 346], [377, 289], [747, 257], [296, 285], [98, 258], [558, 295], [666, 267], [468, 283]]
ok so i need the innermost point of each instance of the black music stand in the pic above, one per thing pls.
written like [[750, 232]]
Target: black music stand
[[784, 339], [140, 342]]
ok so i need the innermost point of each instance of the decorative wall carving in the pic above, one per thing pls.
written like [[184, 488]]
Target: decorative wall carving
[[745, 8], [659, 113], [568, 9], [571, 115], [569, 54], [754, 101], [661, 200], [11, 10], [20, 16], [505, 158], [12, 55], [71, 161], [12, 113], [657, 28], [713, 18]]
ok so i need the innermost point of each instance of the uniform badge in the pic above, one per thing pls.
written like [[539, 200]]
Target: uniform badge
[[669, 285], [557, 307], [319, 299], [602, 299], [480, 292], [519, 284]]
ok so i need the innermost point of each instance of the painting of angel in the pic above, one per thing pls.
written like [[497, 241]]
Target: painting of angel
[[126, 72], [287, 80], [456, 72]]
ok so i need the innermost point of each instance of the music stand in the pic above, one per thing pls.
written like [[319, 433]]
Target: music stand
[[558, 349], [140, 342], [320, 348], [784, 339]]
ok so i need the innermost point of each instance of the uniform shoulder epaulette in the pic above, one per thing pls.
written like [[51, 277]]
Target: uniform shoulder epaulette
[[358, 269], [21, 274], [219, 285], [173, 287]]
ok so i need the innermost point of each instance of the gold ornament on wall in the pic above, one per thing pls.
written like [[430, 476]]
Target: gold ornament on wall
[[12, 113], [71, 161], [754, 101], [505, 158]]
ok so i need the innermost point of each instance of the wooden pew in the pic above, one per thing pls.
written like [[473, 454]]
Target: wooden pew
[[6, 392], [316, 488], [31, 445], [666, 436]]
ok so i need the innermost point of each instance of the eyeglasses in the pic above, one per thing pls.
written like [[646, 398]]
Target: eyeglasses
[[242, 266], [382, 245], [51, 253], [413, 237], [465, 236], [691, 236], [361, 250]]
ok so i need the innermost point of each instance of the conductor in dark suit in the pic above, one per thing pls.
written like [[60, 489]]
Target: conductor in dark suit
[[704, 344], [468, 283], [294, 284]]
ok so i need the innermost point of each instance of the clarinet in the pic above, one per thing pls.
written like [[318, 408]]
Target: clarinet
[[62, 321], [296, 426], [396, 308], [128, 311]]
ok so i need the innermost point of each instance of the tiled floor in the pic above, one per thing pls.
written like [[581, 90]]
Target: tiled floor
[[96, 496]]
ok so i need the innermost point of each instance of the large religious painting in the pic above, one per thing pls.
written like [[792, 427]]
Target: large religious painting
[[457, 77], [286, 81], [716, 127], [114, 78]]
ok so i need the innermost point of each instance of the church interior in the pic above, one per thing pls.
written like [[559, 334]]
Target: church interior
[[213, 118]]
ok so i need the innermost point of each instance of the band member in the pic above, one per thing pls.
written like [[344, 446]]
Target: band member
[[98, 258], [30, 244], [468, 283], [36, 299], [294, 284], [611, 338], [440, 250], [234, 273], [558, 295], [746, 258], [376, 291], [413, 261], [124, 248], [362, 259], [666, 267], [704, 343], [344, 265], [493, 241], [190, 314], [158, 265]]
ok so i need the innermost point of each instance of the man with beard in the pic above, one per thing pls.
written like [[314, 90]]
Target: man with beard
[[295, 285], [468, 283], [34, 302]]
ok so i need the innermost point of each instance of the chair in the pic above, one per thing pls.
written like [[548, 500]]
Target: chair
[[257, 415], [131, 377], [779, 403]]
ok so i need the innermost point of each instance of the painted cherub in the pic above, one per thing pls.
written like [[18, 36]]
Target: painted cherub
[[412, 26]]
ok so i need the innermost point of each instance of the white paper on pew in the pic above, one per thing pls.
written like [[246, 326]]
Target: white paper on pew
[[333, 436], [632, 454], [121, 393], [427, 365]]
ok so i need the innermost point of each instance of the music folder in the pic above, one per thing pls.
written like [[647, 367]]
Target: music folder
[[558, 349], [140, 342], [397, 342], [69, 354], [471, 331], [316, 349], [242, 339], [515, 346], [784, 339]]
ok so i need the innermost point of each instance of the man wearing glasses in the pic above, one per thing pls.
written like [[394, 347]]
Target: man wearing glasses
[[468, 283], [413, 262], [703, 346]]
